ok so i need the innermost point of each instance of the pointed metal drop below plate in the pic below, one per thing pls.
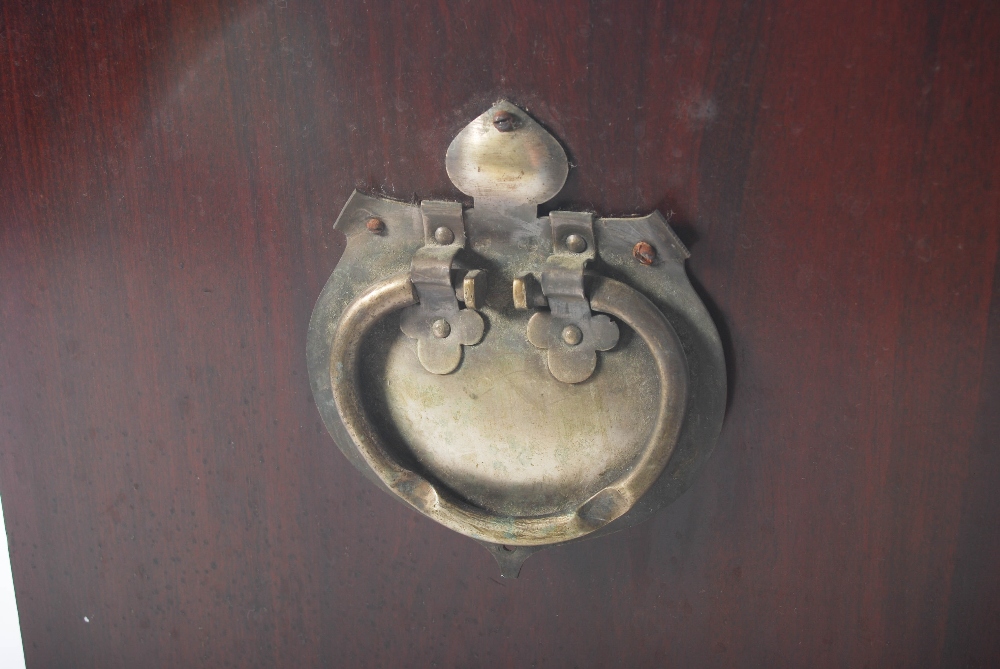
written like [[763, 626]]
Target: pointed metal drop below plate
[[510, 559]]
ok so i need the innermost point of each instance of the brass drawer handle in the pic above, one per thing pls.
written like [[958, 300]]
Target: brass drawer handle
[[522, 380], [607, 296]]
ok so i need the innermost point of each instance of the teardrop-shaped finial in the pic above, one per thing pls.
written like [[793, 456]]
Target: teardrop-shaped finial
[[504, 159]]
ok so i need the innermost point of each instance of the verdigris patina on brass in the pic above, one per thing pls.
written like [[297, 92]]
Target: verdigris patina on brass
[[524, 381]]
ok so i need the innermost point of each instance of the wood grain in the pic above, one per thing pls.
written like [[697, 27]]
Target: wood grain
[[169, 176]]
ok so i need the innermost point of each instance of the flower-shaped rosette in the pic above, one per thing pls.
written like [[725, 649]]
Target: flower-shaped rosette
[[572, 364], [441, 355]]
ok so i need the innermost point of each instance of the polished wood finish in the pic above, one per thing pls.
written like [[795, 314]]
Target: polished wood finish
[[169, 176]]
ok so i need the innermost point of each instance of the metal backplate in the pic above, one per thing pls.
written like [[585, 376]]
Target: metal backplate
[[499, 448]]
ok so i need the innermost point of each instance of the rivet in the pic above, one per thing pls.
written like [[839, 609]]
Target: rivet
[[444, 235], [375, 225], [644, 253], [504, 121], [576, 243], [441, 328], [572, 335]]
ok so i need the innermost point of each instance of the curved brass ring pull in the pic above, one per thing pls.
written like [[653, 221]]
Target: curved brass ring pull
[[607, 296], [524, 398]]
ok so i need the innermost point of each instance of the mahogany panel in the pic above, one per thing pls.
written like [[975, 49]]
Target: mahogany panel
[[169, 176]]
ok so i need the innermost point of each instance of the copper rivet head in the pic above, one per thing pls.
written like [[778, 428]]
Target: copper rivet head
[[644, 253], [504, 121], [375, 225]]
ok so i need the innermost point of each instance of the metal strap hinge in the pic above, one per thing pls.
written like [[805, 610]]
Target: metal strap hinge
[[570, 333], [439, 325]]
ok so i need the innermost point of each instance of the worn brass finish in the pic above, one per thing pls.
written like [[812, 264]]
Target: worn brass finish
[[518, 164], [593, 392], [609, 503]]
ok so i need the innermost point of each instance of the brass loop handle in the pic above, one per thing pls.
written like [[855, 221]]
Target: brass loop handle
[[607, 296]]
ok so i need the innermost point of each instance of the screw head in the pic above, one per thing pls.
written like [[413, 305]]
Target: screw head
[[576, 243], [572, 335], [444, 236], [375, 225], [504, 121], [644, 253], [440, 328]]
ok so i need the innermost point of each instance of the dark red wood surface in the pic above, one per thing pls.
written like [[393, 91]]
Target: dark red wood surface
[[169, 176]]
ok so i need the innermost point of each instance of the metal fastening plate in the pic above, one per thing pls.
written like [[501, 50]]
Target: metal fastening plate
[[498, 441], [440, 327], [568, 331]]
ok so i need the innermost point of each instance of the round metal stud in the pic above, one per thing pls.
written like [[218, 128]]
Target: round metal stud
[[444, 235], [441, 328], [572, 335], [576, 243]]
